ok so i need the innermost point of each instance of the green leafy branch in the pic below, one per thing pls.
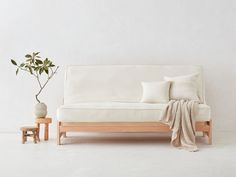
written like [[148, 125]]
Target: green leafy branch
[[37, 67]]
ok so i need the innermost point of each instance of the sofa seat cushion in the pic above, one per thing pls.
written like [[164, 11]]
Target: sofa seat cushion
[[119, 112]]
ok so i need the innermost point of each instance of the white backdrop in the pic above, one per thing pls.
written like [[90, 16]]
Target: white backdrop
[[117, 32]]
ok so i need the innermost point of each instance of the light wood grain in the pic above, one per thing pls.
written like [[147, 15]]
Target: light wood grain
[[63, 127], [29, 131], [46, 121], [58, 133]]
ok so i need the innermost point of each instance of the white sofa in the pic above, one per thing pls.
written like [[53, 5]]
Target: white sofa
[[107, 98]]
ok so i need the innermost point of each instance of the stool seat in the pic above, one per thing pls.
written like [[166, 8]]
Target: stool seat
[[28, 128], [25, 133]]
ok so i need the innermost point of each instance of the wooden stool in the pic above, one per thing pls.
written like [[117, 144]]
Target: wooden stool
[[46, 121], [25, 133]]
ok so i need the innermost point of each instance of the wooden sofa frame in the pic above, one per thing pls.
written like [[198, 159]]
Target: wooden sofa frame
[[63, 127]]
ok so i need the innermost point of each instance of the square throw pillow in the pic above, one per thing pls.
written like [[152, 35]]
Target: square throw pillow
[[183, 90], [183, 87], [155, 92]]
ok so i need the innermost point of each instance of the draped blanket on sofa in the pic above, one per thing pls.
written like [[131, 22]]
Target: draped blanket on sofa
[[180, 116]]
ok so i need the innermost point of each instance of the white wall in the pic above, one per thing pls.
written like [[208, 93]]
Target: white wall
[[199, 32]]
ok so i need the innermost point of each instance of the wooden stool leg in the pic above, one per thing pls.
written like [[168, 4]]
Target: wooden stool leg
[[46, 132], [34, 136], [23, 137], [37, 135], [38, 126]]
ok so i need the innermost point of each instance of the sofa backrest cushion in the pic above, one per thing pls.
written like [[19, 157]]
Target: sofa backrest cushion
[[119, 82]]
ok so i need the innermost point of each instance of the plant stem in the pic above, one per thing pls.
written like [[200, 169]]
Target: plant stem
[[37, 76], [36, 96], [42, 86]]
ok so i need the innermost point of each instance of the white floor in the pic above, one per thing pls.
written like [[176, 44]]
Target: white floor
[[116, 155]]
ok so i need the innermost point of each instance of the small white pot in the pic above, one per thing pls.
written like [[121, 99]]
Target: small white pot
[[40, 110]]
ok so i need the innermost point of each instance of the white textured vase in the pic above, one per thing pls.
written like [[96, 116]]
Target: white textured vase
[[40, 110]]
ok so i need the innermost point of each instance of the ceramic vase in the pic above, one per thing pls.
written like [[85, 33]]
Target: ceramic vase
[[40, 110]]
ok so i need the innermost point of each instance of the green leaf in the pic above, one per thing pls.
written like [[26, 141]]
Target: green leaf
[[36, 68], [46, 70], [51, 65], [40, 71], [36, 53], [13, 62], [39, 61], [30, 69], [44, 62], [17, 71], [22, 65], [28, 56]]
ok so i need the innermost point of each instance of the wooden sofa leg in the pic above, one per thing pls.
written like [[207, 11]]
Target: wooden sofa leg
[[58, 133], [210, 133], [64, 135]]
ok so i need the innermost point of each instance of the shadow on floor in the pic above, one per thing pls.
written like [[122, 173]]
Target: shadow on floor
[[122, 138]]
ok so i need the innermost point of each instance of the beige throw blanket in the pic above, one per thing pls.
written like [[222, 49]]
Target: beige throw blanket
[[179, 115]]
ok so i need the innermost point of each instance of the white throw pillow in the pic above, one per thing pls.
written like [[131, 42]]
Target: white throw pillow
[[183, 90], [185, 78], [183, 87], [155, 92]]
